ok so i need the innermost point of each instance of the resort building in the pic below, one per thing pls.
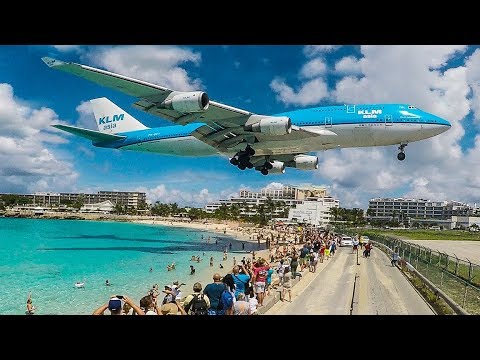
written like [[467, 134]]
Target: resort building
[[400, 208], [314, 212], [103, 207], [130, 199], [286, 197]]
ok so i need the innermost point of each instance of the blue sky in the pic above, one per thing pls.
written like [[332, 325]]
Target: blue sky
[[444, 80]]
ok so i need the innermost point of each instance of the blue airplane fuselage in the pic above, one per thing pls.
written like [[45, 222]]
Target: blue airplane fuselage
[[354, 126]]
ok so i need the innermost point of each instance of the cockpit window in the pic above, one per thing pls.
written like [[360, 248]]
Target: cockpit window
[[411, 107]]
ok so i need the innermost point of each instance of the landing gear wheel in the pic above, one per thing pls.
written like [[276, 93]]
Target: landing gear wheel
[[242, 167], [249, 151], [249, 165], [234, 161], [401, 156], [264, 171], [268, 165]]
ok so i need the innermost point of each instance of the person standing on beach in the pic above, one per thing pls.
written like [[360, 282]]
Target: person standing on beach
[[214, 292], [115, 306], [197, 303], [287, 285], [259, 278], [241, 280]]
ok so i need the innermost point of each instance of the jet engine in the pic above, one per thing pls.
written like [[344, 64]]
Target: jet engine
[[272, 125], [188, 102], [278, 167], [306, 162]]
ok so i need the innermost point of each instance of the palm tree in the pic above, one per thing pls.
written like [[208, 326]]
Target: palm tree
[[335, 212]]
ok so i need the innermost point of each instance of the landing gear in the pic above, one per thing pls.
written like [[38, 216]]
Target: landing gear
[[265, 167], [242, 158], [401, 154]]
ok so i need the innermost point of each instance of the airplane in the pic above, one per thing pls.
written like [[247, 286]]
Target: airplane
[[267, 143]]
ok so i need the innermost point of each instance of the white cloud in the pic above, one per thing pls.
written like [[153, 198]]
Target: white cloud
[[348, 65], [473, 78], [166, 194], [86, 119], [313, 68], [26, 164], [274, 186], [313, 50], [68, 48], [153, 63], [434, 168], [311, 92]]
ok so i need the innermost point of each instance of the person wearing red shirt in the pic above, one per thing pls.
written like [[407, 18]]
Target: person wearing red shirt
[[259, 278]]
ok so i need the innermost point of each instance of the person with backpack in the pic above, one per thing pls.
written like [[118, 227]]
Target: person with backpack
[[227, 299], [196, 303]]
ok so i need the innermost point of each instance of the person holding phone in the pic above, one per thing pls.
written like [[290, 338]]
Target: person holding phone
[[115, 306]]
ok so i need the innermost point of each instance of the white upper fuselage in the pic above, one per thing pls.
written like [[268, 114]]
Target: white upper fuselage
[[354, 126]]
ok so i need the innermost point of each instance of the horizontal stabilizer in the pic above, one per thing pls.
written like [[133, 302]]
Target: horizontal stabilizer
[[95, 136]]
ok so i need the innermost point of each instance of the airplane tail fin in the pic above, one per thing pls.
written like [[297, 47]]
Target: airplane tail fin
[[111, 119]]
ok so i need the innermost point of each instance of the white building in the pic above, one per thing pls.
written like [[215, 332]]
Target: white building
[[315, 212], [386, 208], [102, 207], [290, 195]]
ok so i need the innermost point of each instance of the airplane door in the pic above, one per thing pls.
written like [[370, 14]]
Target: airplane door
[[328, 122], [350, 109], [388, 120]]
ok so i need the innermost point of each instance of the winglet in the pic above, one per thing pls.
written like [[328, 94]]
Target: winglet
[[51, 62]]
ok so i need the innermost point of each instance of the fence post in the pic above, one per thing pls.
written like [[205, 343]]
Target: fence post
[[456, 264], [465, 295]]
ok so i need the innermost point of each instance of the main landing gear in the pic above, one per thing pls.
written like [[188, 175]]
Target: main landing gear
[[401, 154], [265, 167], [242, 158]]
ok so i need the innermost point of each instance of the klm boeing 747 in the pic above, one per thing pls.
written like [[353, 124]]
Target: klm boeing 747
[[267, 143]]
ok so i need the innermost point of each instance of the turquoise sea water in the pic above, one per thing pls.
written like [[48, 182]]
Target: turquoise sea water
[[47, 257]]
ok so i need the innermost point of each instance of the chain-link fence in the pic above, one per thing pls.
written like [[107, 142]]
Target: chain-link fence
[[458, 278]]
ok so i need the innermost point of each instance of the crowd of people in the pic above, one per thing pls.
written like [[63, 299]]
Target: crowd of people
[[242, 291]]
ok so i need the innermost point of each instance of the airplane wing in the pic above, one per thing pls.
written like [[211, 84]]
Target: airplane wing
[[95, 136], [226, 126]]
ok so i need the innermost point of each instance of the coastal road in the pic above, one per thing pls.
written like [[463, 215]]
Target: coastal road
[[380, 289]]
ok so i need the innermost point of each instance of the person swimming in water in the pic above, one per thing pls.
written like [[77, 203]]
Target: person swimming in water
[[107, 283]]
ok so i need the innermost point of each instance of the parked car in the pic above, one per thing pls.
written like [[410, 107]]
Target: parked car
[[346, 241], [365, 240]]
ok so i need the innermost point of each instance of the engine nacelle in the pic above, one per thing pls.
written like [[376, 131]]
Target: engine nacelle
[[188, 102], [274, 126], [306, 162], [278, 168]]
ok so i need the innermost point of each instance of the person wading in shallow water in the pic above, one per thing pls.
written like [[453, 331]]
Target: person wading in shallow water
[[30, 307]]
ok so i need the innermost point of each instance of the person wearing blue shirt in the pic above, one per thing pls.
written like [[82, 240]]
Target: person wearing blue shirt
[[268, 281], [240, 279], [214, 292]]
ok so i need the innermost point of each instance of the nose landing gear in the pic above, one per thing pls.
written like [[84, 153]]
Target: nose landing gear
[[401, 154]]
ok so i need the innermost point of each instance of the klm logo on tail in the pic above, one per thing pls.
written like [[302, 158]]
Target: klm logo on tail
[[106, 119]]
